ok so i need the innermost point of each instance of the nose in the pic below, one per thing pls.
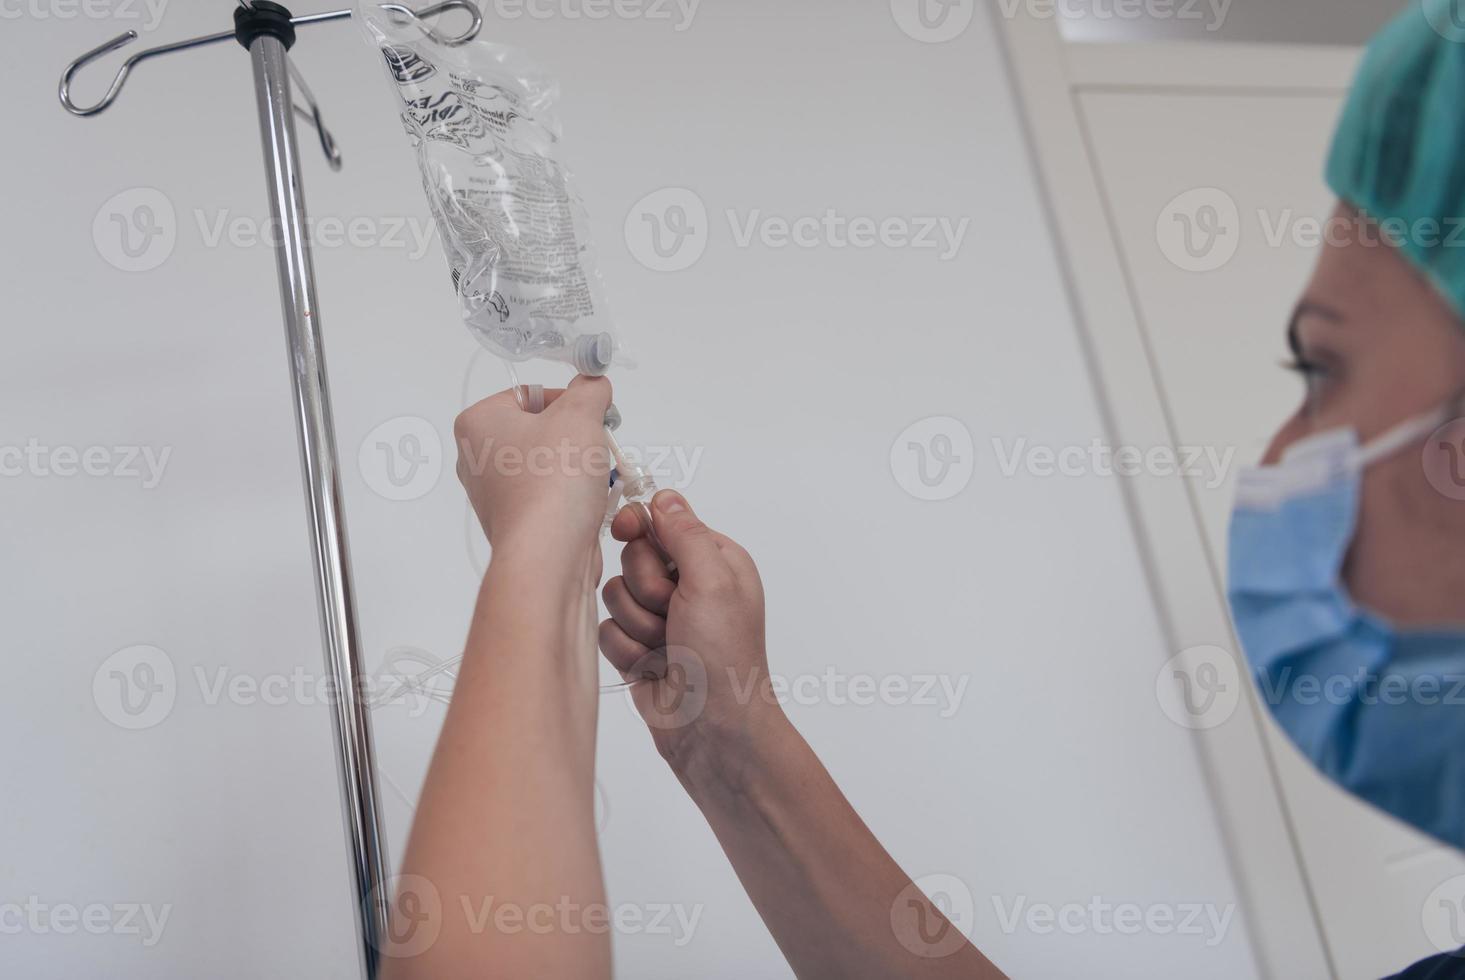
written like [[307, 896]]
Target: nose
[[1291, 431]]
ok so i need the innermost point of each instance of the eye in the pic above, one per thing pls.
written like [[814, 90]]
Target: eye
[[1314, 375]]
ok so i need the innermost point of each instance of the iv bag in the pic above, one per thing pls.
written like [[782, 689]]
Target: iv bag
[[481, 120]]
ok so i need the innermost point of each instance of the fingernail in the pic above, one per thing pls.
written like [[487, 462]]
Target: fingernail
[[669, 502]]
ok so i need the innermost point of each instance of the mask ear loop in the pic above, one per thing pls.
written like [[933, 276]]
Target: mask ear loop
[[1410, 431]]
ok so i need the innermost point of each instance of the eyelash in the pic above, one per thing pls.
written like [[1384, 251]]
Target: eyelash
[[1304, 367], [1311, 372]]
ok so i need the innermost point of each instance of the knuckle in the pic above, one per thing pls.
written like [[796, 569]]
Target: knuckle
[[661, 591], [463, 425], [635, 553]]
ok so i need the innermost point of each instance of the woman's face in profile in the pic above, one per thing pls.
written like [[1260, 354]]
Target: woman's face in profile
[[1375, 344]]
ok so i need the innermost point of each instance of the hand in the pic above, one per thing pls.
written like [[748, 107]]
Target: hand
[[544, 478], [694, 646]]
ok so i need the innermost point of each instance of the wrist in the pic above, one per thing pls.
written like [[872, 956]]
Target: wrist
[[728, 756], [546, 548]]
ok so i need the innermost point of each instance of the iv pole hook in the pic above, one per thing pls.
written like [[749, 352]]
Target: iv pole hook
[[420, 16]]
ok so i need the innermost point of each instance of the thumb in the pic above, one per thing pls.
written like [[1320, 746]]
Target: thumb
[[589, 395], [690, 542]]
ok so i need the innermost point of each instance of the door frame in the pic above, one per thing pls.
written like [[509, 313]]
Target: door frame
[[1048, 77]]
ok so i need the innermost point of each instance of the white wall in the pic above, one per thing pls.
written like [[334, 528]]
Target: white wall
[[1057, 781]]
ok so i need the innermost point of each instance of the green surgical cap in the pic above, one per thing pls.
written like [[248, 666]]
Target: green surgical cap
[[1399, 152]]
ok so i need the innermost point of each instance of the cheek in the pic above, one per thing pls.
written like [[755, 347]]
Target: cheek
[[1380, 548], [1407, 560], [1443, 460]]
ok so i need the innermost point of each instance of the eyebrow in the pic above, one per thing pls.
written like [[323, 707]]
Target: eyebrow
[[1306, 309]]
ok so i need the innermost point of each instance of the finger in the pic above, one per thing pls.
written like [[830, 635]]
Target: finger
[[646, 576], [690, 542], [620, 650], [589, 395], [640, 624], [628, 524]]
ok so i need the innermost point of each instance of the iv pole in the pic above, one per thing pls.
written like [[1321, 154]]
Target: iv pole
[[267, 30]]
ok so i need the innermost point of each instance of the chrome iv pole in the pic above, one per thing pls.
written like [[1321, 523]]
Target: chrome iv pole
[[267, 31]]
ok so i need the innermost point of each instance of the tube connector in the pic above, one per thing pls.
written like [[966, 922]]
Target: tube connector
[[592, 354]]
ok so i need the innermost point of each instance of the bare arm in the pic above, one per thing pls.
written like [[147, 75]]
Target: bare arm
[[503, 846], [837, 904]]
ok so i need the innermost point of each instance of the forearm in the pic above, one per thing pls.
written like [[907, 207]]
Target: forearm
[[504, 831], [823, 884]]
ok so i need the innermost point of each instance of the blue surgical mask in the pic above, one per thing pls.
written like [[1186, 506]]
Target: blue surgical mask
[[1379, 710]]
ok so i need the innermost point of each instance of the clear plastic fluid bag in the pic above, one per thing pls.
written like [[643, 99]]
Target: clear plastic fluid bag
[[480, 116]]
